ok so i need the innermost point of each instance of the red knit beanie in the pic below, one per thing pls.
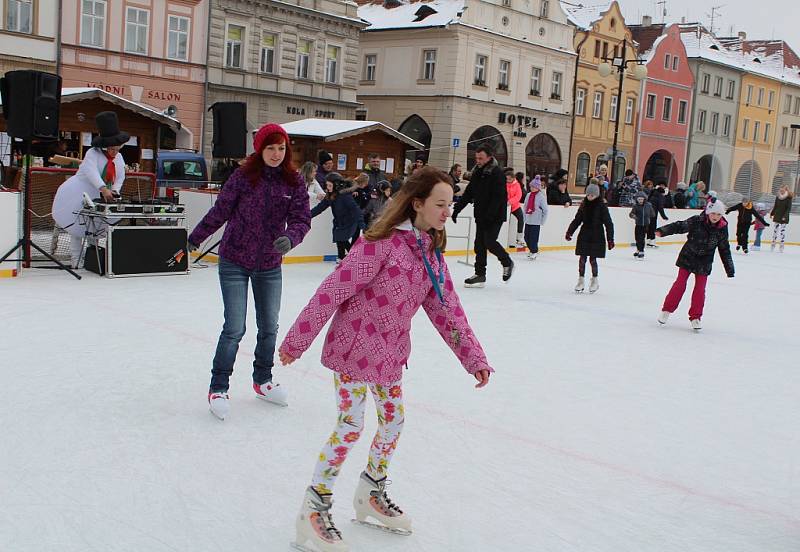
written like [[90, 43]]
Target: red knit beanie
[[268, 130]]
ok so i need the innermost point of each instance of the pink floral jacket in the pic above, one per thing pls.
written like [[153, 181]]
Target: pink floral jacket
[[374, 293]]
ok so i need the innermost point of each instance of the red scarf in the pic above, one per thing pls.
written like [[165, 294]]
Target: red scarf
[[530, 205], [109, 174]]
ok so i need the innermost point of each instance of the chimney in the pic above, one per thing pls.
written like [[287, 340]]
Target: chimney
[[647, 21], [683, 20], [742, 35]]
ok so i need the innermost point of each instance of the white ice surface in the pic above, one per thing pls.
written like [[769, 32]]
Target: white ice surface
[[600, 431]]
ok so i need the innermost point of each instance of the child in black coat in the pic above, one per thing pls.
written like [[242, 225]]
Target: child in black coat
[[347, 216], [593, 217], [643, 214], [746, 215]]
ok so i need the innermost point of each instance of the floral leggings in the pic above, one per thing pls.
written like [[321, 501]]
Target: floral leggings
[[352, 398], [778, 234]]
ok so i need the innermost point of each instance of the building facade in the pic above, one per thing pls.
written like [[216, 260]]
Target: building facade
[[287, 60], [666, 106], [152, 52], [600, 32], [458, 73], [786, 163], [28, 35]]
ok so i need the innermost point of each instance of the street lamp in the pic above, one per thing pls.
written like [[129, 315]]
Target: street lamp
[[797, 169], [639, 73]]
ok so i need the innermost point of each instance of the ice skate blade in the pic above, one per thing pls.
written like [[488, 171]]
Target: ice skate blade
[[379, 527], [217, 416], [302, 548], [475, 285], [265, 399]]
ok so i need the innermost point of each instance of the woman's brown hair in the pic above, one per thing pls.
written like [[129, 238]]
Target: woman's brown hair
[[401, 207]]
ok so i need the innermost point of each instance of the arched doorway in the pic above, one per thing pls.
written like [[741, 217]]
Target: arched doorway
[[493, 138], [707, 169], [748, 179], [661, 167], [542, 155], [417, 129]]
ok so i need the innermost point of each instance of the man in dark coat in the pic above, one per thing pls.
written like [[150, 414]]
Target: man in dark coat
[[656, 199], [373, 170], [325, 167], [555, 196], [487, 191]]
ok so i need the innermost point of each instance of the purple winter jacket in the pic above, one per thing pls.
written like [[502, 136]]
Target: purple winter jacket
[[256, 216]]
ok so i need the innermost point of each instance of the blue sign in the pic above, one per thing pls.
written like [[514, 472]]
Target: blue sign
[[456, 142]]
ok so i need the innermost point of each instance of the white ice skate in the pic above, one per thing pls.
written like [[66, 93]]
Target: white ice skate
[[696, 325], [371, 501], [651, 243], [532, 256], [594, 285], [271, 392], [520, 241], [219, 404], [781, 248], [663, 317], [580, 285], [315, 525]]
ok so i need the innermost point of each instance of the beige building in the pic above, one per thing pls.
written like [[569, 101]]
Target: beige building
[[287, 60], [471, 71], [28, 35]]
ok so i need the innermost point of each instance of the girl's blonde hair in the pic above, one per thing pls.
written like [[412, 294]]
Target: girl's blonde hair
[[362, 179], [309, 172], [401, 208]]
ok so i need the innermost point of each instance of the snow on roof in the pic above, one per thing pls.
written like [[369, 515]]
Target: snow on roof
[[336, 129], [584, 17], [75, 94], [411, 15], [699, 43]]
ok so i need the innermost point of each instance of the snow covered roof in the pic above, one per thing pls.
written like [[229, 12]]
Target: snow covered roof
[[336, 129], [584, 17], [411, 15], [76, 94]]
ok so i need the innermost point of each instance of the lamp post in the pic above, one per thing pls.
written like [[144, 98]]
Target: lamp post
[[639, 73], [797, 168]]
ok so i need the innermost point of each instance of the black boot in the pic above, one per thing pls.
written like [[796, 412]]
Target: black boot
[[507, 271], [476, 280]]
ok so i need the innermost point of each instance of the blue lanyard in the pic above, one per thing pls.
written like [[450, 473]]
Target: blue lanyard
[[437, 284]]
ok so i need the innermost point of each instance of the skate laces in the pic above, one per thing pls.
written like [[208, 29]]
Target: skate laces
[[380, 494], [323, 508]]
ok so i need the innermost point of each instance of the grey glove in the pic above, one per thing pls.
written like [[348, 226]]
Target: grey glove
[[282, 245]]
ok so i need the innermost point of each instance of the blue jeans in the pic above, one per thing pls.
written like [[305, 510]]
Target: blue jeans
[[532, 237], [267, 285], [757, 243]]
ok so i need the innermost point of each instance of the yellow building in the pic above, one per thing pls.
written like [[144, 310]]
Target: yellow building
[[754, 144], [600, 32]]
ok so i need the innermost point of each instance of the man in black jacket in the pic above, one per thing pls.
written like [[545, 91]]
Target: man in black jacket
[[487, 191]]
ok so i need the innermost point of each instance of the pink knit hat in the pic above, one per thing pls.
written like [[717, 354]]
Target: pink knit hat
[[268, 130]]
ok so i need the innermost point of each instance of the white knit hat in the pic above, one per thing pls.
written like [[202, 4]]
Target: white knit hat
[[716, 207]]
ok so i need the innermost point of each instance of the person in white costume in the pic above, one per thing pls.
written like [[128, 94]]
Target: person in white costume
[[101, 173]]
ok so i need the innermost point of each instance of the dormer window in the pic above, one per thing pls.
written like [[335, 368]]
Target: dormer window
[[423, 12]]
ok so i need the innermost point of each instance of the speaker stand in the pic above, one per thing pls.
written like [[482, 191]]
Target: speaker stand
[[25, 242]]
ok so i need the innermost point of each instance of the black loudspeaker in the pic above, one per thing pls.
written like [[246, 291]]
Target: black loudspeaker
[[31, 104], [230, 129]]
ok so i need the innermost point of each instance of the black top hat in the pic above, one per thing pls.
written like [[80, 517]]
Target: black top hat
[[110, 135]]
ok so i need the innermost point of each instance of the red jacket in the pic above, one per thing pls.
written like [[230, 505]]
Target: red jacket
[[514, 194]]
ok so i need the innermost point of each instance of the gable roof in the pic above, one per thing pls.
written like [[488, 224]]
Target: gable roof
[[584, 17], [646, 36], [410, 15], [330, 130]]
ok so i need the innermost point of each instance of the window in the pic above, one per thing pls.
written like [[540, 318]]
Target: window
[[756, 131], [268, 42], [332, 54], [136, 30], [428, 64], [701, 120], [726, 125], [745, 129], [582, 169], [596, 48], [784, 136], [767, 132], [667, 114], [605, 49], [629, 112], [731, 89], [580, 102], [714, 123], [544, 10], [178, 40], [749, 94], [20, 16], [619, 166], [787, 105], [93, 22], [760, 97], [503, 75], [536, 81], [597, 107], [706, 83], [675, 63], [233, 46], [796, 106], [555, 88], [771, 100], [480, 70], [370, 65], [794, 138], [650, 107], [614, 108], [667, 61], [304, 48], [718, 87], [683, 107]]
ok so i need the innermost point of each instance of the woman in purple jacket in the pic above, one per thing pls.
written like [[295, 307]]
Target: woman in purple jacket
[[265, 206]]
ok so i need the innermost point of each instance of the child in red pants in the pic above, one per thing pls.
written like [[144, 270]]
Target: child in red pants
[[706, 232]]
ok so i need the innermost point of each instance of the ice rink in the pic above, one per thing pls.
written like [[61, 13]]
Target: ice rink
[[599, 432]]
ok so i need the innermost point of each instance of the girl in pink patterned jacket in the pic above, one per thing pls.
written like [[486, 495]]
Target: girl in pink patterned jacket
[[373, 295]]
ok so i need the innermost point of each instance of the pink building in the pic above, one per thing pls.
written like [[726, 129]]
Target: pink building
[[665, 113]]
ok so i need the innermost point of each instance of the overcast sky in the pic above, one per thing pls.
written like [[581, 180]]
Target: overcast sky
[[761, 19]]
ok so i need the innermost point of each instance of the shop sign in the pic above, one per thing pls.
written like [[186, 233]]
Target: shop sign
[[295, 110], [119, 90], [517, 120], [164, 96], [319, 114]]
